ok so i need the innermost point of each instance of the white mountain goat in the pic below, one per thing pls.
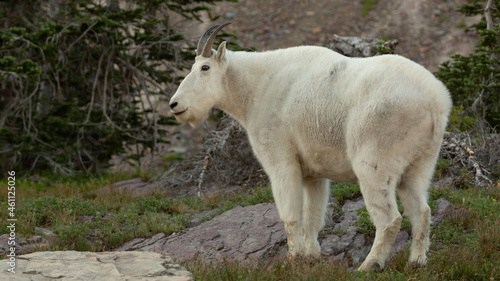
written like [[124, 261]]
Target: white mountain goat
[[312, 114]]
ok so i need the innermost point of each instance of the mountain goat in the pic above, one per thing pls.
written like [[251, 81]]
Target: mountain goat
[[312, 114]]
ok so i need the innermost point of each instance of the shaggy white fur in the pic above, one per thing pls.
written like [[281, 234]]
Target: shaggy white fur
[[312, 114]]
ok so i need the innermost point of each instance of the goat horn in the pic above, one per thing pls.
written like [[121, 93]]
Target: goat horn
[[203, 40], [207, 49]]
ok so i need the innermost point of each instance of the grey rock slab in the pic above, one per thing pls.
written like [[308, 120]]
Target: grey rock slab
[[359, 241], [358, 249], [47, 234], [72, 265], [243, 234], [339, 257], [331, 245], [401, 243], [23, 245], [352, 245], [141, 244], [353, 205], [196, 219], [347, 222]]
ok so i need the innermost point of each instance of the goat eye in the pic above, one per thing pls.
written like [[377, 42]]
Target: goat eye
[[205, 68]]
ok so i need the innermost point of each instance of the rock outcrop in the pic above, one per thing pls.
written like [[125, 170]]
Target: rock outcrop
[[71, 265], [344, 240], [255, 232], [43, 239], [243, 234]]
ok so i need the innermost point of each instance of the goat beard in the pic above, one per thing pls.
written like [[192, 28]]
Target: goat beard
[[195, 116]]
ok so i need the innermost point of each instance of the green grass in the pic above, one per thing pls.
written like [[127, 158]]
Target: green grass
[[461, 24], [116, 217], [274, 270], [364, 223], [368, 5], [345, 191], [442, 166], [466, 246]]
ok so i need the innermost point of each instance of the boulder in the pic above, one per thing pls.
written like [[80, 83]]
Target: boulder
[[243, 234], [43, 239], [442, 207], [72, 265], [47, 234], [361, 47], [23, 245]]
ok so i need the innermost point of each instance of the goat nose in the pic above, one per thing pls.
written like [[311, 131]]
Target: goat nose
[[173, 105]]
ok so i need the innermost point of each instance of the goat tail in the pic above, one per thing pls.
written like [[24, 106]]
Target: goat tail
[[441, 107], [439, 122]]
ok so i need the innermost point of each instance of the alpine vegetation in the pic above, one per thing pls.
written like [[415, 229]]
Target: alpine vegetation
[[311, 115]]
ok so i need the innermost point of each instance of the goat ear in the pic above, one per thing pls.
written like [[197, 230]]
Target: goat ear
[[221, 52]]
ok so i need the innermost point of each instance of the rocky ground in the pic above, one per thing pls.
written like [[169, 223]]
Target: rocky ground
[[256, 234], [245, 234], [84, 266]]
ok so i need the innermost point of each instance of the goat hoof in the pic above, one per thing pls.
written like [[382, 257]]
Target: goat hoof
[[310, 259], [373, 265], [414, 265], [293, 257], [376, 267]]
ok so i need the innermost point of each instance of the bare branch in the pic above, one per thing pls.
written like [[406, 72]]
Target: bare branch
[[487, 14], [94, 87], [81, 36], [462, 147]]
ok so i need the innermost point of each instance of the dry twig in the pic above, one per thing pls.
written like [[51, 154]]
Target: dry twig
[[460, 147]]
